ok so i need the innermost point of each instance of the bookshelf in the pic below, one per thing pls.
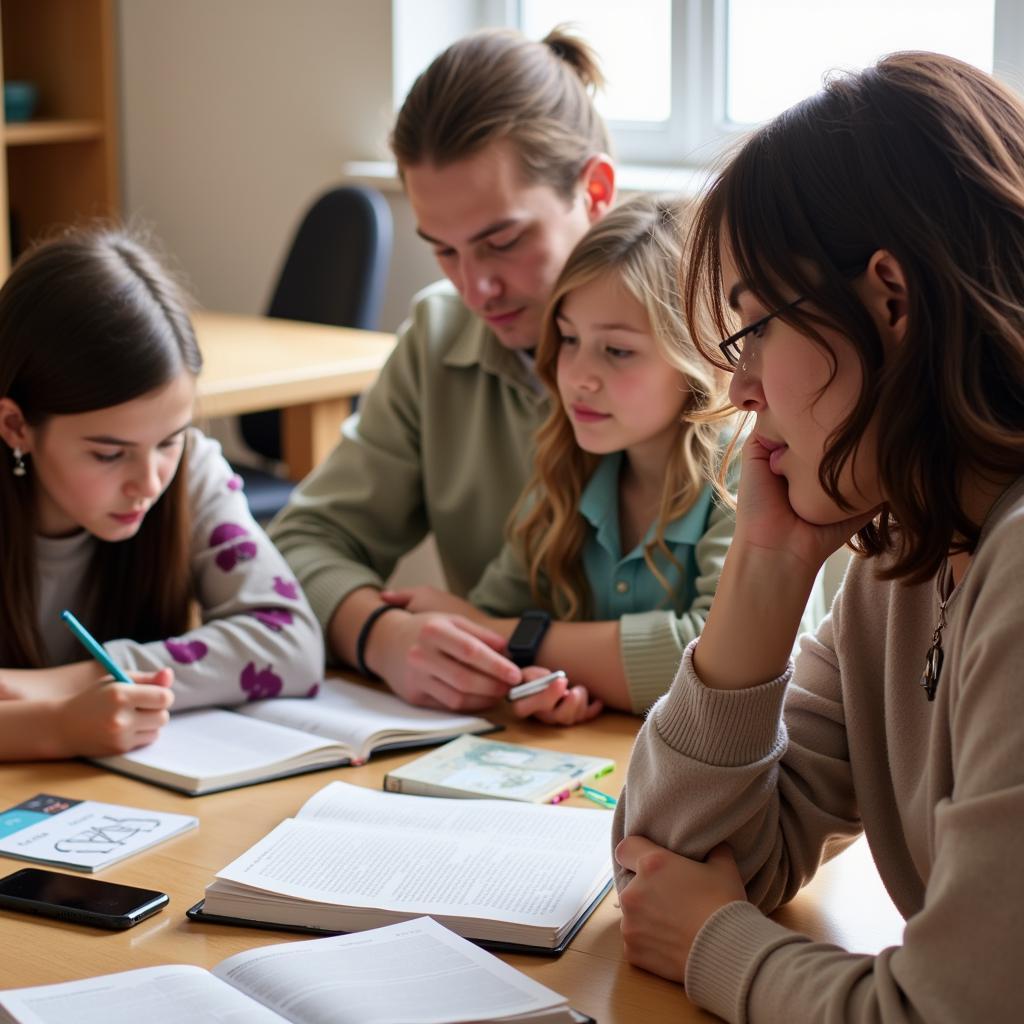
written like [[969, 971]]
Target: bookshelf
[[62, 165]]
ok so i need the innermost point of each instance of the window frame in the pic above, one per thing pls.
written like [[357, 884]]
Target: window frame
[[697, 130]]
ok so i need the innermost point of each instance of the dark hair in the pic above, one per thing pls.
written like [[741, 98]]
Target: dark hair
[[89, 320], [921, 155], [498, 85]]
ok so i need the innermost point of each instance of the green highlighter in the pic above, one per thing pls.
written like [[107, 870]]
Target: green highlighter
[[94, 647]]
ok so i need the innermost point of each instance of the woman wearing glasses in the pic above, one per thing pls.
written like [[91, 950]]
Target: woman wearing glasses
[[872, 240]]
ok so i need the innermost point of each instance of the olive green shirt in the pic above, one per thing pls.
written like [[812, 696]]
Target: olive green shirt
[[443, 444]]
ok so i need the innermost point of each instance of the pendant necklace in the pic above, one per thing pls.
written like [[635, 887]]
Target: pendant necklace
[[933, 660]]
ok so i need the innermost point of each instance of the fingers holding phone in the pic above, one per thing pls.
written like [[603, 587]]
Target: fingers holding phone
[[549, 697]]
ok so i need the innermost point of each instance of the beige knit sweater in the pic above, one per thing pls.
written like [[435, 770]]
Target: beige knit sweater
[[938, 788]]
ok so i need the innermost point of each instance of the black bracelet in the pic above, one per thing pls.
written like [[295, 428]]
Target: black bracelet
[[364, 636]]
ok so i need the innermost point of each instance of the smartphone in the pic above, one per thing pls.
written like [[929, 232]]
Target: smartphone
[[79, 900], [534, 686]]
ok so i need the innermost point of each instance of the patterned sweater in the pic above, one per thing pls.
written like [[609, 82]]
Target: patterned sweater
[[258, 637]]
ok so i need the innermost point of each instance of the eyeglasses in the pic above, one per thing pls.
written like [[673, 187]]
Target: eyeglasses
[[732, 347]]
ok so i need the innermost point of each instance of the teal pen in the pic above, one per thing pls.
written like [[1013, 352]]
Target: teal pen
[[93, 646], [604, 799]]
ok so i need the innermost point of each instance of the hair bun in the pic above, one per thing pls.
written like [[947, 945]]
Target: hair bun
[[572, 50]]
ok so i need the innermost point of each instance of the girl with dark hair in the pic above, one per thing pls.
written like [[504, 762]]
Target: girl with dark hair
[[114, 507], [870, 241]]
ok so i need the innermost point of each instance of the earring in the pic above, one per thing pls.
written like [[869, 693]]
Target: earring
[[19, 462]]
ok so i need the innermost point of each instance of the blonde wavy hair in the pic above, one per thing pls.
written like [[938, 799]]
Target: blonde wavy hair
[[640, 242]]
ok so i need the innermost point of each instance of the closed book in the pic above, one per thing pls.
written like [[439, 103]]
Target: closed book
[[471, 767]]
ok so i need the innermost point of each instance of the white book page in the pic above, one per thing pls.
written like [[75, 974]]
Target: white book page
[[412, 973], [359, 716], [418, 855], [155, 995], [209, 743]]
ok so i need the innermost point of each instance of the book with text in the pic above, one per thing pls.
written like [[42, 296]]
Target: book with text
[[413, 972], [83, 834], [211, 750], [472, 767], [511, 875]]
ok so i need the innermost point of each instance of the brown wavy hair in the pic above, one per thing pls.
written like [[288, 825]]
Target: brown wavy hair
[[89, 320], [639, 243], [497, 85], [921, 155]]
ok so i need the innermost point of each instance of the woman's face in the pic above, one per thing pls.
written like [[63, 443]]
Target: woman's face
[[103, 470], [783, 377], [500, 241]]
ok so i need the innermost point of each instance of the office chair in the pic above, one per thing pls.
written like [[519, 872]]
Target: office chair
[[335, 273]]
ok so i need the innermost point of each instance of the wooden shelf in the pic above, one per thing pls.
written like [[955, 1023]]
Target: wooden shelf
[[35, 133]]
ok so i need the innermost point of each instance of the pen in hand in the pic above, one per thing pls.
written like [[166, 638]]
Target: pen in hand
[[94, 647]]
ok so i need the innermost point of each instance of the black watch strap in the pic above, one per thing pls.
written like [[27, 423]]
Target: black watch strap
[[526, 638]]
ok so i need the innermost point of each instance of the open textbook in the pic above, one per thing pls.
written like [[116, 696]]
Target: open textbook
[[210, 750], [412, 973], [511, 875]]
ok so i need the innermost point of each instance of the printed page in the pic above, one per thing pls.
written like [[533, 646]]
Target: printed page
[[413, 973], [83, 833], [155, 995], [210, 744], [360, 717], [531, 864]]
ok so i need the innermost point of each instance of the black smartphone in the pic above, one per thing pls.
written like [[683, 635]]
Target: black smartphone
[[79, 900]]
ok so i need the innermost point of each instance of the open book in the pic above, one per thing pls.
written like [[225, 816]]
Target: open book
[[207, 751], [414, 972], [514, 876]]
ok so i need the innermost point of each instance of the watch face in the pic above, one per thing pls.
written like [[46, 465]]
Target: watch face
[[528, 633]]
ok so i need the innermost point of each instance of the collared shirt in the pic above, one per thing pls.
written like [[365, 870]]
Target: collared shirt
[[443, 444], [621, 584]]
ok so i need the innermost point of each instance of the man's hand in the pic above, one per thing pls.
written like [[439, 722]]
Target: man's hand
[[440, 660], [668, 900]]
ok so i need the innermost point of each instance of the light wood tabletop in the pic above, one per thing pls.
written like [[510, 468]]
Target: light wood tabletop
[[309, 371], [845, 904]]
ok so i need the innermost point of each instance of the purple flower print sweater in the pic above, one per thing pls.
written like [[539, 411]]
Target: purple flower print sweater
[[258, 637]]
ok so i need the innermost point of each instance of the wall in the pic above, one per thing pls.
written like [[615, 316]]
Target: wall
[[236, 114]]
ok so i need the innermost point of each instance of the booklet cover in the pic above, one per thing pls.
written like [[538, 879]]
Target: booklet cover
[[473, 767], [83, 834]]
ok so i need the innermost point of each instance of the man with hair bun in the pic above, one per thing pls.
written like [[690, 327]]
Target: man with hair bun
[[505, 163]]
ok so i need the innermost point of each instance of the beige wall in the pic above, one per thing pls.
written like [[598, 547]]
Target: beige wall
[[235, 114]]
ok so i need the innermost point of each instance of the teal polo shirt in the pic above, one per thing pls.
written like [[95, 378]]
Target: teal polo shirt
[[623, 584]]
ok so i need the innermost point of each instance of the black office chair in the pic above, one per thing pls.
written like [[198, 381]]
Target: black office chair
[[335, 273]]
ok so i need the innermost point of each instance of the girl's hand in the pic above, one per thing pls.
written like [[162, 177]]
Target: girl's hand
[[56, 683], [668, 900], [114, 718], [765, 518], [560, 704], [432, 599]]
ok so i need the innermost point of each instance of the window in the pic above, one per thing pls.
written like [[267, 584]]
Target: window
[[686, 75]]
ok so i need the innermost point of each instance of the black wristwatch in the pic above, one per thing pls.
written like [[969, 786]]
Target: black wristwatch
[[526, 638]]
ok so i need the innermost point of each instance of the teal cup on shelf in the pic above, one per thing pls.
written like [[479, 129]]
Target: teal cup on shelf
[[20, 100]]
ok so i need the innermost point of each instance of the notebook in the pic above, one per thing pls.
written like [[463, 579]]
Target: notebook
[[412, 972], [515, 876], [211, 750], [474, 768], [83, 834]]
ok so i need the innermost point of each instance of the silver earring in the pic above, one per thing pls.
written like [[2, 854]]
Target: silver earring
[[19, 462]]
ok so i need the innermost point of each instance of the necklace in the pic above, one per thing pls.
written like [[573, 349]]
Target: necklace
[[933, 660]]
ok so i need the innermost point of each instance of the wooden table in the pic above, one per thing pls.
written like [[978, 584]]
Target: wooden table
[[845, 903], [309, 371]]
